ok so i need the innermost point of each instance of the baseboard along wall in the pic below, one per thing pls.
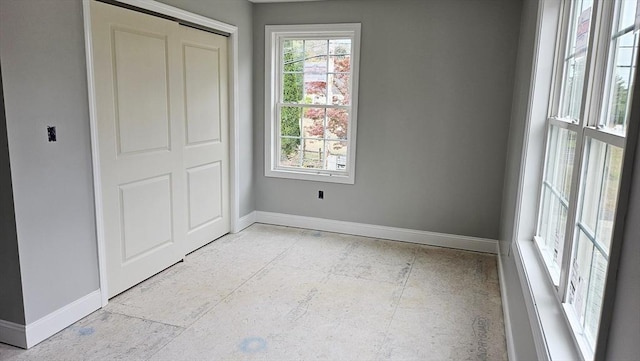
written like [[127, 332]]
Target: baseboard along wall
[[381, 232], [13, 334], [508, 331], [33, 333]]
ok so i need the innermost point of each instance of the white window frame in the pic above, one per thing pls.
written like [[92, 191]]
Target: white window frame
[[274, 35], [595, 90]]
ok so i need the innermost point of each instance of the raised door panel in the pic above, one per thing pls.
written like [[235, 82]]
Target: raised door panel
[[142, 94], [202, 94], [145, 213], [205, 194]]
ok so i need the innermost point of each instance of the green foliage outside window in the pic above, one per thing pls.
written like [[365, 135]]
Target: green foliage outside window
[[293, 92]]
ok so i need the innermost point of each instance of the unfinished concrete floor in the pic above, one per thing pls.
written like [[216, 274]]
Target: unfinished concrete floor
[[278, 293]]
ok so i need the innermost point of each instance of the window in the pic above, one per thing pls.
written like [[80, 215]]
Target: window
[[311, 97], [596, 61]]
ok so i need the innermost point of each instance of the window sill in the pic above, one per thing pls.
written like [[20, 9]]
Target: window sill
[[317, 177], [552, 270], [553, 336]]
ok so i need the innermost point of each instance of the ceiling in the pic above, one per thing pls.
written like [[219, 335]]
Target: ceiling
[[278, 1]]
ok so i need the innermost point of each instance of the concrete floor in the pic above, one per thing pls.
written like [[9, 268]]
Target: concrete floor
[[277, 293]]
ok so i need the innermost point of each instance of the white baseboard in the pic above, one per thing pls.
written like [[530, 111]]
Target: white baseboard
[[58, 320], [13, 334], [245, 221], [382, 232], [508, 331]]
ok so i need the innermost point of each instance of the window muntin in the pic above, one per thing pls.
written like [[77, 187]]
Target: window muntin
[[312, 115], [585, 142]]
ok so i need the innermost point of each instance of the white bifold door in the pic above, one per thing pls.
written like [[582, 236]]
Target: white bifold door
[[161, 107]]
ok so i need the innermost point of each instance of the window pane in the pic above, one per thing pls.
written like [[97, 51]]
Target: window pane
[[313, 154], [290, 135], [623, 59], [586, 286], [575, 59], [289, 152], [592, 183], [572, 85], [315, 71], [336, 158], [627, 14], [609, 201], [595, 294], [339, 46], [315, 49], [579, 28], [580, 272], [552, 231], [293, 55], [340, 63], [315, 84], [337, 124], [339, 89], [290, 121], [600, 190], [293, 66], [292, 91], [561, 148], [545, 220], [313, 122], [552, 150], [564, 161]]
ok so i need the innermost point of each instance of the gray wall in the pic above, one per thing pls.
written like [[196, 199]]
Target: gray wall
[[44, 70], [238, 13], [11, 305], [624, 332], [436, 78], [44, 79]]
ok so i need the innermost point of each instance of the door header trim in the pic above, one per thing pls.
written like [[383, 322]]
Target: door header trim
[[202, 24]]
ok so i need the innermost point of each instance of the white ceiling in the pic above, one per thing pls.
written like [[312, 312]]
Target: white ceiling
[[279, 1]]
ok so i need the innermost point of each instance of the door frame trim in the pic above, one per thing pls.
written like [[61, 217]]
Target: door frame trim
[[234, 121]]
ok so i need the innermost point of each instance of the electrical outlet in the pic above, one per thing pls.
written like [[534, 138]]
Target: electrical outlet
[[51, 134], [320, 194]]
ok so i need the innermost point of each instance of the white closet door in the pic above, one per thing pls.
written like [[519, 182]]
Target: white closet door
[[161, 99], [206, 143], [140, 139]]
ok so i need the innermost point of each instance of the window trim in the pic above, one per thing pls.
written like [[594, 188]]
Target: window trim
[[273, 36]]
